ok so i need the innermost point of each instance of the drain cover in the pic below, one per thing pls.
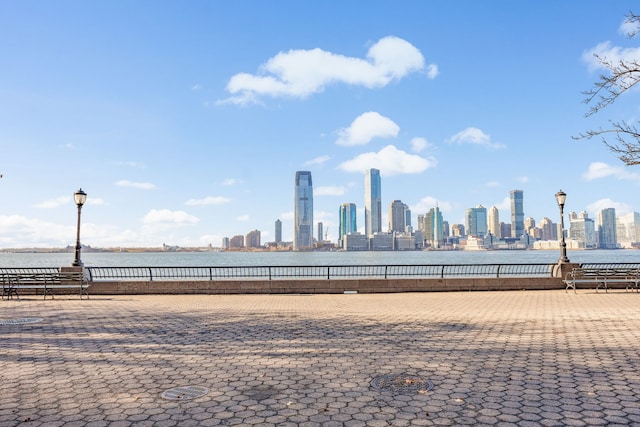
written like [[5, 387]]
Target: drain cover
[[22, 321], [185, 393], [402, 383]]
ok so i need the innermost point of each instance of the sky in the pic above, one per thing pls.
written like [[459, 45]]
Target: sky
[[185, 122]]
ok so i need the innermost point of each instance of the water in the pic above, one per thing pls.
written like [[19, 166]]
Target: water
[[213, 259]]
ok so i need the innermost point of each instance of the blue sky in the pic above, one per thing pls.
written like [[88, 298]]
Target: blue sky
[[185, 122]]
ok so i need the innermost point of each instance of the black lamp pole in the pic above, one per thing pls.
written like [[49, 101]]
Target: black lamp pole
[[80, 197], [561, 198]]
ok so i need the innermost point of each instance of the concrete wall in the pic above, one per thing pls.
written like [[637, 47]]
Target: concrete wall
[[313, 286]]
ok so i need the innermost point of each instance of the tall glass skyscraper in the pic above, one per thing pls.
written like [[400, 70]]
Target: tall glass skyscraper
[[347, 220], [517, 213], [372, 202], [607, 233], [303, 212], [477, 221]]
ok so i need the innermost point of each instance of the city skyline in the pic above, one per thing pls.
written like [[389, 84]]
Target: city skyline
[[184, 123]]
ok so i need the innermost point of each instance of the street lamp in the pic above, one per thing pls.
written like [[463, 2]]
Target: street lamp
[[80, 197], [561, 198]]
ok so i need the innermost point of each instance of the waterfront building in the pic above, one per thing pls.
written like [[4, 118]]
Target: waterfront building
[[397, 217], [372, 202], [494, 221], [303, 212], [628, 229], [278, 231], [607, 235], [420, 222], [529, 226], [582, 228], [348, 224], [225, 243], [320, 231], [236, 242], [476, 219], [252, 240], [457, 230], [549, 229], [355, 242], [404, 242], [381, 242], [517, 213], [505, 229]]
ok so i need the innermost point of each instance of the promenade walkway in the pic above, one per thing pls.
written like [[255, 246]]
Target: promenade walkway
[[525, 358]]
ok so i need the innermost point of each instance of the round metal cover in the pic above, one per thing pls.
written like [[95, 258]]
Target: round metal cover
[[22, 321], [402, 383], [185, 393]]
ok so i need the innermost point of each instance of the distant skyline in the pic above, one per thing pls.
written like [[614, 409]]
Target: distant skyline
[[186, 122]]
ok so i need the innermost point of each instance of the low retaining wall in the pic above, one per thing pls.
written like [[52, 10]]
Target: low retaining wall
[[313, 286]]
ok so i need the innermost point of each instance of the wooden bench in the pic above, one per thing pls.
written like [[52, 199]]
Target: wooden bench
[[602, 277], [48, 283]]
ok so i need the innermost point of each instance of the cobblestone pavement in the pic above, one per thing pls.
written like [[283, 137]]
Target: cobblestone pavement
[[529, 358]]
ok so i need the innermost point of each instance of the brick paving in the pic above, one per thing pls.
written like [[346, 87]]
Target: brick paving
[[528, 358]]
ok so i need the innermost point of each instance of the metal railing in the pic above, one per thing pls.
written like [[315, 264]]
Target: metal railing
[[328, 272]]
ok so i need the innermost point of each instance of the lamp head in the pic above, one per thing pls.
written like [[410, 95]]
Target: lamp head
[[561, 198], [80, 197]]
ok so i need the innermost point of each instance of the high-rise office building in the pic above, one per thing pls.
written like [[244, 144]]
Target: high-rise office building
[[583, 229], [303, 212], [607, 233], [434, 233], [476, 219], [397, 217], [372, 202], [494, 221], [348, 223], [278, 231], [320, 231], [628, 229], [517, 213]]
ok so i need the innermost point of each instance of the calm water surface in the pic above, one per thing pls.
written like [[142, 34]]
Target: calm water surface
[[194, 259]]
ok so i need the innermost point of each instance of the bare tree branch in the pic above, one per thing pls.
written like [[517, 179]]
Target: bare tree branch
[[620, 76]]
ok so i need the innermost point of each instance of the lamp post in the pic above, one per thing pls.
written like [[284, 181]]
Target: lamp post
[[80, 197], [561, 198]]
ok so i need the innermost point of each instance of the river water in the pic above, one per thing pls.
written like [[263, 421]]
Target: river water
[[214, 259]]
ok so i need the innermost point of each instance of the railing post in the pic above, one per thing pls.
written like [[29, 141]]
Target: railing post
[[498, 271], [385, 271], [150, 275], [442, 272], [328, 272], [269, 273], [211, 273]]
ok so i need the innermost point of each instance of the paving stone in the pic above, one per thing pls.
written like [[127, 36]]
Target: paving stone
[[543, 358]]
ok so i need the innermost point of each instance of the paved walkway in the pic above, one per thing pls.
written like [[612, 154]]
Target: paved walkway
[[526, 358]]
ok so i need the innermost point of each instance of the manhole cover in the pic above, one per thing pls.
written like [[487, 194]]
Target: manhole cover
[[402, 383], [22, 321], [185, 393]]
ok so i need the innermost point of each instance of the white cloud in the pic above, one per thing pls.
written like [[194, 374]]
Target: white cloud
[[231, 181], [196, 87], [300, 73], [287, 216], [209, 200], [598, 170], [493, 184], [243, 218], [613, 54], [427, 203], [95, 201], [598, 205], [20, 231], [366, 127], [54, 203], [505, 205], [138, 185], [329, 191], [166, 216], [390, 161], [523, 179], [432, 71], [475, 136], [320, 160], [419, 144]]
